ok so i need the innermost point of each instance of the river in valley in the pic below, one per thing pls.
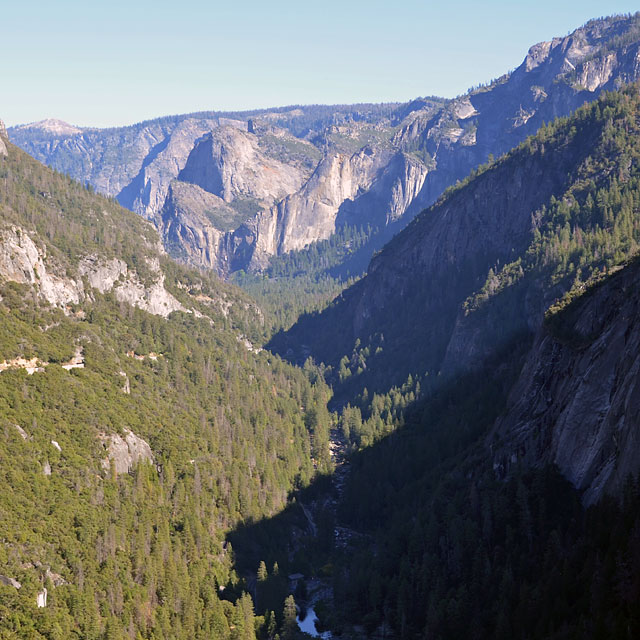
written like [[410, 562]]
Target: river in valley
[[308, 624]]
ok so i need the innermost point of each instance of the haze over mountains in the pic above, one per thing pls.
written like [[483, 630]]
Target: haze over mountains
[[449, 449]]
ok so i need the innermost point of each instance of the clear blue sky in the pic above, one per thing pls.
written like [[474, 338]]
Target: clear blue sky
[[117, 62]]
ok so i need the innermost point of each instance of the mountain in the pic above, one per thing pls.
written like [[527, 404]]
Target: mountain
[[138, 424], [133, 164], [496, 495], [472, 277], [136, 164], [362, 166], [576, 403]]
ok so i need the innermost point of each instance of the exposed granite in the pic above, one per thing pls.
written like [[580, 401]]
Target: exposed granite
[[577, 401]]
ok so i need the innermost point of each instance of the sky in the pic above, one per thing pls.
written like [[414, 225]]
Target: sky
[[118, 62]]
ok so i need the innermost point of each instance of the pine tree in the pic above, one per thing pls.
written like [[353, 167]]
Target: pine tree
[[289, 618]]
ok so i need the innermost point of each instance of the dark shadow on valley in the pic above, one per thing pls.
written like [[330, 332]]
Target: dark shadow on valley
[[338, 517]]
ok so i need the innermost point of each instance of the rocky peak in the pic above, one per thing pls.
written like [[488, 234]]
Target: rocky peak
[[52, 126], [229, 164]]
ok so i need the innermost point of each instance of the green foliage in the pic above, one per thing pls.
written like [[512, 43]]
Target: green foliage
[[594, 226], [305, 281], [69, 218], [233, 432]]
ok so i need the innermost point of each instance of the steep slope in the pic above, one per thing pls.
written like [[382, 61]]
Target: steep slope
[[480, 535], [577, 401], [555, 78], [434, 145], [137, 423], [474, 275], [471, 518], [229, 164], [309, 214]]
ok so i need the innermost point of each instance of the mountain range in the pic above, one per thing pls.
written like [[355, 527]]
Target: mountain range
[[449, 448], [227, 191]]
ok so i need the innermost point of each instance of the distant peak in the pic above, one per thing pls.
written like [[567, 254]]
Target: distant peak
[[52, 125]]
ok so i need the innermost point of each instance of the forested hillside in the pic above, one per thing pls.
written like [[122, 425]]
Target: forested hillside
[[498, 499], [449, 449], [123, 474], [468, 528], [480, 267]]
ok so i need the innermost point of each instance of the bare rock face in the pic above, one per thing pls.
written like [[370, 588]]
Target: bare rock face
[[554, 79], [146, 193], [390, 196], [309, 214], [229, 164], [153, 298], [125, 452], [577, 401], [270, 178], [102, 274], [191, 223], [21, 260], [10, 582]]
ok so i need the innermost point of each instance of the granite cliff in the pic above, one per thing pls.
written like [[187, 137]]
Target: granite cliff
[[576, 403], [266, 165]]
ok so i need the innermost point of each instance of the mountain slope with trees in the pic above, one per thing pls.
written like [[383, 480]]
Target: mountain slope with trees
[[481, 267], [501, 500], [134, 437]]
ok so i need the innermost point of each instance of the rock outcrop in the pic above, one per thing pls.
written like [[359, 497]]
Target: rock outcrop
[[228, 163], [193, 224], [3, 138], [576, 403], [10, 582], [25, 262], [310, 214], [125, 452], [147, 191]]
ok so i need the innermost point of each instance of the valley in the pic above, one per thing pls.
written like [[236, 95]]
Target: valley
[[355, 371]]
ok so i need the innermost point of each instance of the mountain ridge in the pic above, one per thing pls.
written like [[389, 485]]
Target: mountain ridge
[[435, 143]]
